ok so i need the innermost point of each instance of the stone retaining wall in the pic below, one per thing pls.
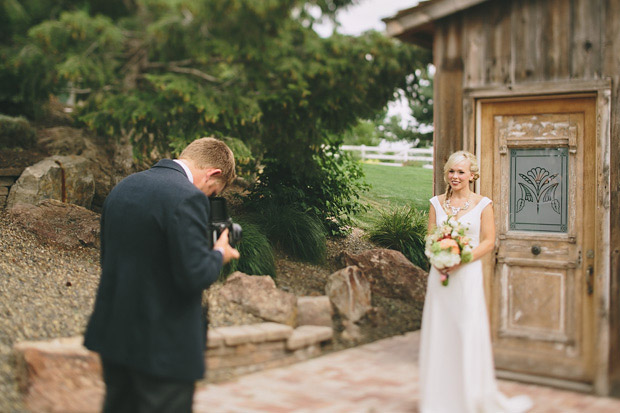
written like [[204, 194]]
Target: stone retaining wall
[[8, 176], [61, 375]]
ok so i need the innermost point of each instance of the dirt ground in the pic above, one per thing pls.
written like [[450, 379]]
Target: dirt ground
[[20, 158]]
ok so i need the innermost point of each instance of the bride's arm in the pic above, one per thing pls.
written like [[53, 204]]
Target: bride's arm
[[487, 233]]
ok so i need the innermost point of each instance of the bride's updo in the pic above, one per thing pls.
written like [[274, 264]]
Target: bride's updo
[[458, 157]]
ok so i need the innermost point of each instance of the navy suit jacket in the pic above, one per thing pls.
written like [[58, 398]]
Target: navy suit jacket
[[156, 260]]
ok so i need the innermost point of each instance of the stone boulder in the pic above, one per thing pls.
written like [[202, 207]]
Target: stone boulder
[[349, 291], [314, 311], [259, 296], [55, 222], [59, 376], [64, 178], [111, 159], [390, 273]]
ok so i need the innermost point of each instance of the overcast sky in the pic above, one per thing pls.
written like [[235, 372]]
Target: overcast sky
[[367, 15]]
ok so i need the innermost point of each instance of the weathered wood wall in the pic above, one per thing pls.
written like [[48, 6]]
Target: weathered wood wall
[[611, 68], [502, 44]]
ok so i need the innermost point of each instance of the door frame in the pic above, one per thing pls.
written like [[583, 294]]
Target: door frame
[[472, 99]]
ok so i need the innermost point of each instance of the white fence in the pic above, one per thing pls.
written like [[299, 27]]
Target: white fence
[[396, 157]]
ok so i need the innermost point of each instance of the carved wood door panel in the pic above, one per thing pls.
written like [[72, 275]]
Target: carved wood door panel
[[539, 285]]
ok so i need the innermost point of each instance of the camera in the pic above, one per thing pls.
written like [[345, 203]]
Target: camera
[[219, 221]]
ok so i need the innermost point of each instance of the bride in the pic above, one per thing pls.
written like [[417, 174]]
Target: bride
[[456, 361]]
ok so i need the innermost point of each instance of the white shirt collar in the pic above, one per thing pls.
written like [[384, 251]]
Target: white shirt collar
[[186, 169]]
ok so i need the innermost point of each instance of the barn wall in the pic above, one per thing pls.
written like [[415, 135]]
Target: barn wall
[[500, 45]]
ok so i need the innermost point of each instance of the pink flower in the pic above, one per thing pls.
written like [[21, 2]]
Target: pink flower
[[449, 243]]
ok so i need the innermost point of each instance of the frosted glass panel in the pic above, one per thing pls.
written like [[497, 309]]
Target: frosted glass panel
[[539, 189]]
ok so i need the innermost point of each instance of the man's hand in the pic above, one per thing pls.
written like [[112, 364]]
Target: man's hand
[[222, 244]]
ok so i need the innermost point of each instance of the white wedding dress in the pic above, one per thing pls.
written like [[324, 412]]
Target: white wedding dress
[[456, 361]]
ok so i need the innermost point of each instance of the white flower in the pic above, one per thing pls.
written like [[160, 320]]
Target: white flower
[[444, 259]]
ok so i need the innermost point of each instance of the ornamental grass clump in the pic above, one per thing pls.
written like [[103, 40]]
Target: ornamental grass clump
[[402, 229], [256, 254], [300, 234]]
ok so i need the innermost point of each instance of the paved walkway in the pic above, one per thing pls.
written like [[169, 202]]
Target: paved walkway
[[381, 377]]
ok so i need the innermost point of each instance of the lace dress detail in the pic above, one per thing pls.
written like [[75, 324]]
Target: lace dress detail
[[457, 373]]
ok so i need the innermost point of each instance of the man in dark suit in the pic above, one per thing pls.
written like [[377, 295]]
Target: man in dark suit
[[148, 325]]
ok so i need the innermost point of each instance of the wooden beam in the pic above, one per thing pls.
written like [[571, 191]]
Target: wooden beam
[[421, 18]]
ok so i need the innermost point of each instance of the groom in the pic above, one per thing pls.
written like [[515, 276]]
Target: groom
[[156, 259]]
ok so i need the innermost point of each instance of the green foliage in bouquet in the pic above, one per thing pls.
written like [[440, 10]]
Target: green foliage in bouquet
[[403, 229]]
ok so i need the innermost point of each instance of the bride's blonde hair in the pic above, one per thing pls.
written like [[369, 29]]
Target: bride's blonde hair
[[455, 158]]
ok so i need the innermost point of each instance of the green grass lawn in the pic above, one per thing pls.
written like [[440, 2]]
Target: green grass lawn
[[392, 187]]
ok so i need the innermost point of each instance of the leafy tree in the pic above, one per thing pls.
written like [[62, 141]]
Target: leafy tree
[[420, 97], [363, 133], [164, 72]]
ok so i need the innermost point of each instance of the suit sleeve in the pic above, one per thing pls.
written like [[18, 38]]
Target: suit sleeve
[[194, 266]]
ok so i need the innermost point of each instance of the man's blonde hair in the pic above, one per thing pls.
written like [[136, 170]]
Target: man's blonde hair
[[211, 153], [458, 157]]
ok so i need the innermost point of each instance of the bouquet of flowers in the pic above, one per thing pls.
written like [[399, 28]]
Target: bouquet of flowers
[[448, 246]]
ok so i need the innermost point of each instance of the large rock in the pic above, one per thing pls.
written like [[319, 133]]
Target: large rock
[[314, 311], [64, 178], [42, 180], [349, 291], [390, 273], [258, 295], [111, 159], [59, 376], [55, 222]]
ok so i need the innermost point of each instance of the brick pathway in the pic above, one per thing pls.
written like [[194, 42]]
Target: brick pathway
[[381, 377]]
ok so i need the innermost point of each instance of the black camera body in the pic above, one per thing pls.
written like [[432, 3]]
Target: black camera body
[[219, 221]]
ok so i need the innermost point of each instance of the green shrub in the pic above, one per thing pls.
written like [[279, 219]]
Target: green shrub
[[245, 162], [325, 185], [298, 233], [256, 254], [403, 229], [16, 133]]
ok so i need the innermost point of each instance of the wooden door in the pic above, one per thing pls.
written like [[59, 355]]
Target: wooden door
[[541, 152]]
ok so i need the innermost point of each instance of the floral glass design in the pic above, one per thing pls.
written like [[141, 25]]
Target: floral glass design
[[538, 189]]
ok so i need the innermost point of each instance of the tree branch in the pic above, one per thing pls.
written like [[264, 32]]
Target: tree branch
[[176, 67], [194, 72], [169, 64]]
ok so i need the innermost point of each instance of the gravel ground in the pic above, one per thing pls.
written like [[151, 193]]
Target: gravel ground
[[47, 292], [44, 293]]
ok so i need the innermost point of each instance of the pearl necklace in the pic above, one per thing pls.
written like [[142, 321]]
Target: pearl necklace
[[456, 210]]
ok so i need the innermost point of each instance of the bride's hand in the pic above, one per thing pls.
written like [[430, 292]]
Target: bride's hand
[[449, 270]]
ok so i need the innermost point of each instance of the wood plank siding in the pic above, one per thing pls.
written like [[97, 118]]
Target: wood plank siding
[[503, 44], [611, 68], [499, 48]]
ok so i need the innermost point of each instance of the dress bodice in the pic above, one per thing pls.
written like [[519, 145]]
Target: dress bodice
[[470, 219]]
